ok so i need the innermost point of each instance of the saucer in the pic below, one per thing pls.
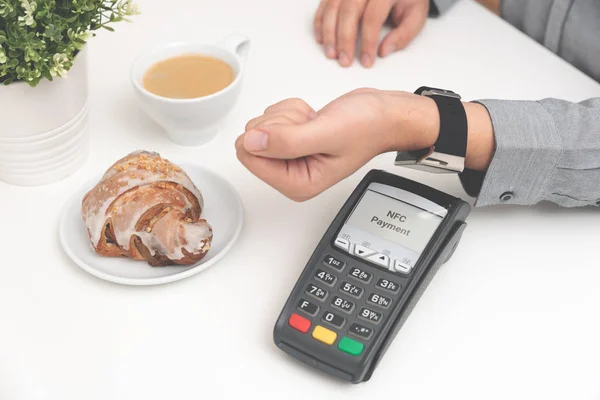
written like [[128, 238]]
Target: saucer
[[222, 209]]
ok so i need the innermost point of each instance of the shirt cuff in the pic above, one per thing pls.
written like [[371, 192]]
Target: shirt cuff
[[528, 147]]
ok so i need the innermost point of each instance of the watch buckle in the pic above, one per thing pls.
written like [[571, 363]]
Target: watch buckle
[[440, 92], [430, 161]]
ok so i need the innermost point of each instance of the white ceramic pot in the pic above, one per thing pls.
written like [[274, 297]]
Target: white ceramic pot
[[44, 129]]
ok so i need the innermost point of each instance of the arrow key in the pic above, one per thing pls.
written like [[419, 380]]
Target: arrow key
[[380, 259], [363, 251]]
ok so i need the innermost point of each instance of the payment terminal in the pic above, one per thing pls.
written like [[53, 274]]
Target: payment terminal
[[367, 273]]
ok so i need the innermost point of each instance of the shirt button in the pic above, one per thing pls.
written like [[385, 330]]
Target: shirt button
[[506, 196]]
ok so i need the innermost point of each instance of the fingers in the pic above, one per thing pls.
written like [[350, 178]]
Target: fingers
[[410, 23], [336, 25], [294, 103], [297, 110], [292, 178], [318, 22], [282, 131], [271, 171], [291, 117], [347, 29], [375, 15], [329, 27], [278, 139]]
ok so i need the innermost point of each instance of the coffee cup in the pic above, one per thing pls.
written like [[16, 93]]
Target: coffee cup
[[192, 121]]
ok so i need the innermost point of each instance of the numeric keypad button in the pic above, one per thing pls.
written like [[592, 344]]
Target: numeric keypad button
[[388, 285], [316, 291], [379, 300], [308, 307], [333, 262], [352, 290], [325, 277], [370, 315], [361, 331], [334, 319], [359, 274], [342, 304]]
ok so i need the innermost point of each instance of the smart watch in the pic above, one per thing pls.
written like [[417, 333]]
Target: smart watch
[[447, 155]]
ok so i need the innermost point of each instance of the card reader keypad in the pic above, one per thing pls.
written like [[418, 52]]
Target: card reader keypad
[[325, 277], [361, 275], [342, 305], [334, 319], [370, 315], [308, 307], [361, 331], [316, 292], [334, 262], [388, 285], [351, 289], [379, 300]]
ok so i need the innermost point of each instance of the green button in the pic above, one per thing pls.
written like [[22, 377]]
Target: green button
[[351, 346]]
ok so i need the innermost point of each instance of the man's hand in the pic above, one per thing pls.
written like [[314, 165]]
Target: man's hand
[[301, 152], [336, 26]]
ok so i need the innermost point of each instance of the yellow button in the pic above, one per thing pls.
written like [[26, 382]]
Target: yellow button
[[324, 335]]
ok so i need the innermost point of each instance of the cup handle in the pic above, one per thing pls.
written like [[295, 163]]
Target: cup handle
[[237, 44]]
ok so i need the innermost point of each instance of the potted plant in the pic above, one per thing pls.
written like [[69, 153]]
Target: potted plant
[[43, 83]]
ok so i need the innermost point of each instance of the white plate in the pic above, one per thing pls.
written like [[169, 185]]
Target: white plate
[[222, 209]]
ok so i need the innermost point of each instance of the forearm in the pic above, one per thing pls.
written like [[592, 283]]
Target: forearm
[[480, 140]]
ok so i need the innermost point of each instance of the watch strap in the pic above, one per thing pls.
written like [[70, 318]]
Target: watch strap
[[448, 152], [452, 137]]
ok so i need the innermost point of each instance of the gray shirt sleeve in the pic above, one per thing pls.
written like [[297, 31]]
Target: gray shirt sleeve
[[439, 7], [546, 150], [568, 28]]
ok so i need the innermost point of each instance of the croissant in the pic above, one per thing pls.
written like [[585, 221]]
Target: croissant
[[146, 208]]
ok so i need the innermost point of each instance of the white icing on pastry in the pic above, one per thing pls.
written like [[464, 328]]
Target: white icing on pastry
[[126, 192]]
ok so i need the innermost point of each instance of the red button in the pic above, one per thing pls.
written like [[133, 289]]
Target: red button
[[298, 322]]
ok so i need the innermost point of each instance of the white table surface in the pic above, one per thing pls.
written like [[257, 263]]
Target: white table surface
[[514, 314]]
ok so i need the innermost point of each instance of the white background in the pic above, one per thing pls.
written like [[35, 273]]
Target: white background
[[514, 314]]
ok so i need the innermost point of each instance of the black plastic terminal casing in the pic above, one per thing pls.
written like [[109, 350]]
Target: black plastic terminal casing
[[441, 246]]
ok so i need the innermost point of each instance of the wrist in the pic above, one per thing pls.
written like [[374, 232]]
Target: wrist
[[415, 122]]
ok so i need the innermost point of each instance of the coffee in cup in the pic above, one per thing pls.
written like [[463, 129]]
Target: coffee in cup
[[188, 76]]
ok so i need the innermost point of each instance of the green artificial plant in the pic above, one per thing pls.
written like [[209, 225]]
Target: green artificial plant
[[40, 38]]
